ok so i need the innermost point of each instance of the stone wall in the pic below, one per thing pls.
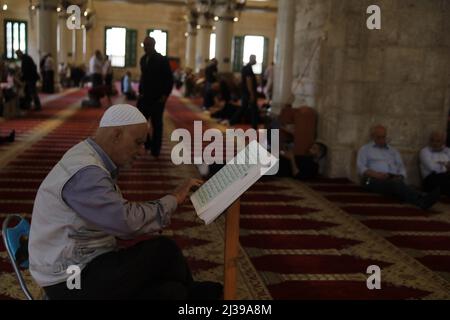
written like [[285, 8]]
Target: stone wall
[[398, 76]]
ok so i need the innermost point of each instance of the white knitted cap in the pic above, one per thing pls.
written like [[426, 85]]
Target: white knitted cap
[[121, 115]]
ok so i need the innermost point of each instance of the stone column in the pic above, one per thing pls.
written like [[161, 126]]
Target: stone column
[[74, 46], [64, 36], [224, 39], [46, 28], [190, 44], [62, 47], [204, 28], [284, 49], [84, 43], [77, 46]]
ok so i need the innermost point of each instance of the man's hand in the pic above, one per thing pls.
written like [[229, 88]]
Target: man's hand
[[182, 191]]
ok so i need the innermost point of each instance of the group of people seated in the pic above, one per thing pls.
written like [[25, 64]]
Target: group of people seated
[[72, 75], [230, 100], [381, 168], [101, 79], [379, 165], [235, 101]]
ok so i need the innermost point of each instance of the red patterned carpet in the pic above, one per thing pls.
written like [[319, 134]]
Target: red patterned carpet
[[425, 235], [295, 243], [51, 107]]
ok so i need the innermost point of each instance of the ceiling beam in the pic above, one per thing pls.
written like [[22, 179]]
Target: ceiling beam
[[182, 3]]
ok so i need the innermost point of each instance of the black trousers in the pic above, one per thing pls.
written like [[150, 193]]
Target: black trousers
[[48, 82], [246, 106], [153, 110], [109, 84], [131, 95], [394, 188], [438, 180], [97, 80], [31, 95], [152, 269]]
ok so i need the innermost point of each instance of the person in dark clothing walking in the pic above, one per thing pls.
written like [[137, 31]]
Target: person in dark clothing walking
[[30, 77], [249, 95], [155, 86]]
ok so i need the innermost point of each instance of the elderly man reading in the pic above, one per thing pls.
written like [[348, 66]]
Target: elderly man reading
[[382, 171], [79, 211]]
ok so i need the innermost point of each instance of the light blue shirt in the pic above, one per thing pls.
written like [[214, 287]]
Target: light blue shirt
[[380, 159], [126, 84], [432, 161]]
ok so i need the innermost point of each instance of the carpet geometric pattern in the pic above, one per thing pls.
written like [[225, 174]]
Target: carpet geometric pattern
[[424, 235]]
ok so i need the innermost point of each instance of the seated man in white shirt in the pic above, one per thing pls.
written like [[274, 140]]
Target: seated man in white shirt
[[382, 171], [435, 164]]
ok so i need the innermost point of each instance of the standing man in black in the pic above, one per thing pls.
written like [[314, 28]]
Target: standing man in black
[[249, 95], [30, 77], [155, 87], [211, 72]]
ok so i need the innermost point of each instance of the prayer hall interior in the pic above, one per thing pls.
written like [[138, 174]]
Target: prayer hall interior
[[357, 90]]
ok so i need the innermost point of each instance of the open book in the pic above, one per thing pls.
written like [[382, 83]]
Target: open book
[[226, 186]]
